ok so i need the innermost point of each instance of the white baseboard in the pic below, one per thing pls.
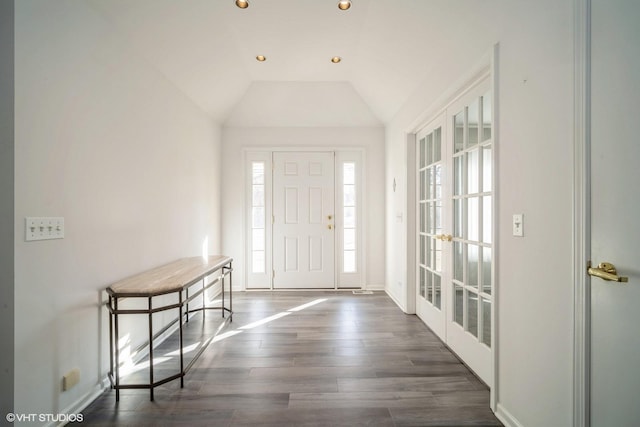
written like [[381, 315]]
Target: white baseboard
[[395, 300], [79, 405], [506, 418]]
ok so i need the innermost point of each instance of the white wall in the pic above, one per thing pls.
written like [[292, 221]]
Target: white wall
[[131, 164], [534, 273], [370, 139]]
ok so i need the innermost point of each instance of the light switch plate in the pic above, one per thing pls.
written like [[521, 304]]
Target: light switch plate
[[518, 225], [44, 228]]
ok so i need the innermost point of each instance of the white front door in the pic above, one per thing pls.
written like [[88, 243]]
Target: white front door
[[615, 209], [303, 220]]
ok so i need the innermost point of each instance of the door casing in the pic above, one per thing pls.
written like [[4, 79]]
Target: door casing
[[342, 154]]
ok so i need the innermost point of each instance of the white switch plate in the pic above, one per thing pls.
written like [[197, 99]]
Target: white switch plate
[[44, 228], [518, 225]]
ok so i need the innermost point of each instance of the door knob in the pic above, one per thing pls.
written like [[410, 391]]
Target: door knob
[[444, 237], [329, 217], [330, 227], [605, 271]]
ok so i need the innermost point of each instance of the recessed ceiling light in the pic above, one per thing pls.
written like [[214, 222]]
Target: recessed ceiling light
[[261, 58], [344, 4], [336, 59], [242, 4]]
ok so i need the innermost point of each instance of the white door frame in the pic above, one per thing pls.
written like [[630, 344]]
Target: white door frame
[[581, 210], [342, 153]]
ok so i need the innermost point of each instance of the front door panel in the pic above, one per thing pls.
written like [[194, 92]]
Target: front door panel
[[303, 228]]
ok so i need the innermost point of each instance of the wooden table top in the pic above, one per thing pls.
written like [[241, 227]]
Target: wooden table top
[[168, 278]]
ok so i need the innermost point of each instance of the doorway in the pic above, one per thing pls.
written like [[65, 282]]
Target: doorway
[[305, 225], [454, 223]]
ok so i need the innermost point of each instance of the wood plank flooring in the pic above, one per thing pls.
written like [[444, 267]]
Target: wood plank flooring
[[347, 360]]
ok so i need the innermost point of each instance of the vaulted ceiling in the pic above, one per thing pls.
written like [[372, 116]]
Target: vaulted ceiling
[[208, 49]]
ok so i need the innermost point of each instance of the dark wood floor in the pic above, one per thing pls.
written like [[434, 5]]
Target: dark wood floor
[[348, 360]]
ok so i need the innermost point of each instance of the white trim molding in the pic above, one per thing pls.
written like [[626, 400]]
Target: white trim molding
[[581, 202]]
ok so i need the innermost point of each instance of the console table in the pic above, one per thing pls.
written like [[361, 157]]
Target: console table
[[174, 278]]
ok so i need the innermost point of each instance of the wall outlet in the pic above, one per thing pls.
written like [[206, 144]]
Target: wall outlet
[[70, 379], [44, 228]]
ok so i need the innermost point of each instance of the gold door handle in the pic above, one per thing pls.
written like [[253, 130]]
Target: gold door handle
[[330, 227], [605, 271], [444, 237], [329, 217]]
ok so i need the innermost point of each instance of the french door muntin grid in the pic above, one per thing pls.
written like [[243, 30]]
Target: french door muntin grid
[[430, 168], [472, 218]]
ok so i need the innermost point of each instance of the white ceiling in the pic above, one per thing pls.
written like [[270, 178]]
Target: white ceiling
[[207, 48]]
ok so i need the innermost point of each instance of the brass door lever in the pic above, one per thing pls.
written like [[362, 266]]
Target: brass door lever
[[605, 271]]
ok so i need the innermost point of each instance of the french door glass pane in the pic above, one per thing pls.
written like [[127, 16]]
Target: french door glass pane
[[437, 291], [472, 265], [473, 219], [437, 145], [458, 177], [486, 270], [472, 171], [458, 305], [437, 180], [423, 282], [429, 149], [423, 155], [486, 321], [473, 120], [486, 117], [429, 183], [486, 219], [428, 253], [438, 217], [423, 225], [429, 289], [423, 247], [457, 217], [423, 184], [458, 267], [458, 132], [472, 313], [486, 169], [437, 255]]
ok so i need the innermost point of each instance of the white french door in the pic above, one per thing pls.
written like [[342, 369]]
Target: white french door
[[303, 220], [454, 292], [433, 256], [471, 288]]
